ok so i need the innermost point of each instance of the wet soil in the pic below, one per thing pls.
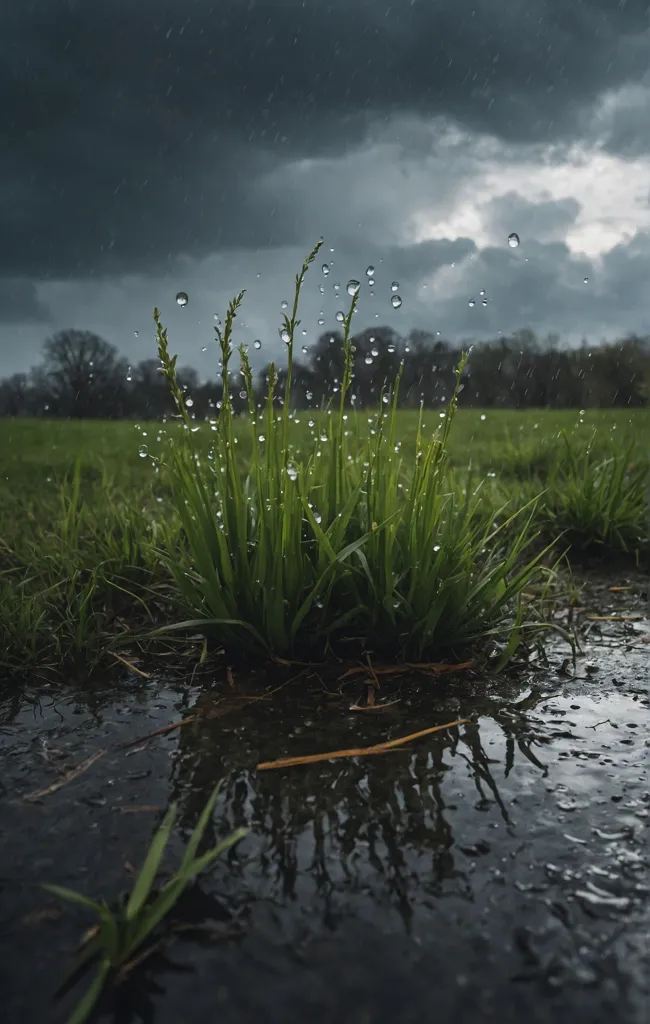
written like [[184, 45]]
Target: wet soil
[[494, 871]]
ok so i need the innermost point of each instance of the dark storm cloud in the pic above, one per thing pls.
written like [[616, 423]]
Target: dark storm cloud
[[132, 131], [19, 302], [542, 220]]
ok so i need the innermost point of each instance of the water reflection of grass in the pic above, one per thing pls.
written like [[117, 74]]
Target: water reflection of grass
[[336, 824]]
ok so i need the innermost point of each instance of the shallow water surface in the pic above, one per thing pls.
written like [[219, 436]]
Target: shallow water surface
[[496, 869]]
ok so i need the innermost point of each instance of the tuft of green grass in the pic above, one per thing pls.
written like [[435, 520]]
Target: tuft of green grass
[[598, 498], [121, 934], [346, 538], [71, 567]]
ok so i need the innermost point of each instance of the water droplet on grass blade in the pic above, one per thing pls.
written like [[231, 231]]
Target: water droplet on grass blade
[[353, 286]]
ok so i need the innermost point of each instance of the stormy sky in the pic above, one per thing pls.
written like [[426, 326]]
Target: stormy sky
[[152, 146]]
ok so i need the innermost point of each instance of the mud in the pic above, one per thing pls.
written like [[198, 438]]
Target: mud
[[495, 871]]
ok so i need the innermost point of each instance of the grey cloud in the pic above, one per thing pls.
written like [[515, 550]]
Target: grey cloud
[[542, 221], [135, 130], [19, 302]]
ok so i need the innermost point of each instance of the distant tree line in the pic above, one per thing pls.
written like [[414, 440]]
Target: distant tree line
[[83, 376]]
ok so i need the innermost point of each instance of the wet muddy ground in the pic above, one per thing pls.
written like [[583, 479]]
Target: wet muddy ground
[[495, 871]]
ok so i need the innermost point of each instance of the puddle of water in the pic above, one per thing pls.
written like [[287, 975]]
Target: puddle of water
[[496, 869]]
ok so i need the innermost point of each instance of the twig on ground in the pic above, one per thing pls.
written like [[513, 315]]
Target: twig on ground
[[379, 748]]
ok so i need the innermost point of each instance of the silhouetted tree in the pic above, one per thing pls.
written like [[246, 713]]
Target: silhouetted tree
[[83, 376]]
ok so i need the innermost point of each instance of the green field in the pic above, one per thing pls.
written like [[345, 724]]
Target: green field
[[35, 453], [307, 535]]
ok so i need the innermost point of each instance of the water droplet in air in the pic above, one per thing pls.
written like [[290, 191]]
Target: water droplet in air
[[337, 286], [513, 240], [204, 348], [353, 287], [261, 438], [292, 472], [396, 301], [326, 269], [340, 316], [586, 280], [257, 344], [391, 349], [182, 299], [471, 303], [371, 281], [284, 304], [189, 402], [143, 451], [321, 321], [304, 349], [136, 334], [370, 271], [483, 416], [484, 302], [394, 286]]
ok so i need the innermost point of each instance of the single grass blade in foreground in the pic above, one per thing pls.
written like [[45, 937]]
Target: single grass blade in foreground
[[120, 935]]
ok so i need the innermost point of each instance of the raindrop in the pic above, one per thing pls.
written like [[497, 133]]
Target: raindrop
[[182, 299], [337, 286], [321, 320], [391, 349], [136, 334], [189, 402], [586, 280], [484, 302], [304, 349], [370, 271], [257, 344], [396, 301], [513, 240], [394, 286], [326, 269], [284, 304], [371, 281], [340, 316], [471, 303], [292, 472], [482, 291], [353, 286], [204, 348], [143, 451], [261, 438]]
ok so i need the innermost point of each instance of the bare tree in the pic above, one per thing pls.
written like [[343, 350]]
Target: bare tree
[[84, 375]]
